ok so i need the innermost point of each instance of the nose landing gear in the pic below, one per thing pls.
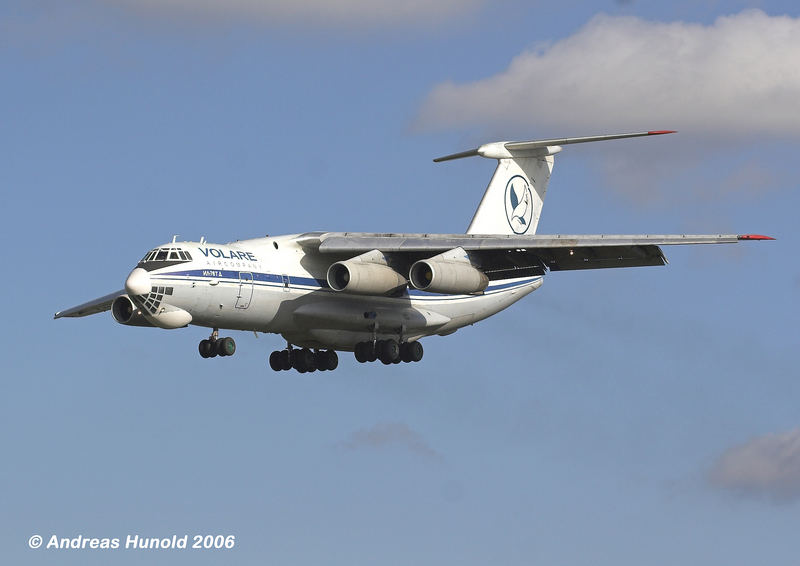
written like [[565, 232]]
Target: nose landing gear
[[215, 346]]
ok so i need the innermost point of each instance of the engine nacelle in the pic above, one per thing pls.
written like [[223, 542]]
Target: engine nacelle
[[125, 312], [450, 272], [168, 317], [367, 274]]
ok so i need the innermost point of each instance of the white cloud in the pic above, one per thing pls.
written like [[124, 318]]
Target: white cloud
[[324, 13], [383, 435], [739, 75], [765, 466]]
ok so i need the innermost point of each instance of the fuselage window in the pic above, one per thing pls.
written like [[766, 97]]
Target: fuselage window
[[162, 255], [173, 255]]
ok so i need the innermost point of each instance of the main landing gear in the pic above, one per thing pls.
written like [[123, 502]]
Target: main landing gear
[[303, 360], [216, 346], [388, 351]]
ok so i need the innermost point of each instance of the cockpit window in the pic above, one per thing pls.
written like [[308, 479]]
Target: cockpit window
[[164, 257]]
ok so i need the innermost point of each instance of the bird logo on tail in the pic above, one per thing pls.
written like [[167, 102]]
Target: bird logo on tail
[[519, 204]]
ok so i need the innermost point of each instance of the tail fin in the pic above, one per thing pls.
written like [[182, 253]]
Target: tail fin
[[512, 203]]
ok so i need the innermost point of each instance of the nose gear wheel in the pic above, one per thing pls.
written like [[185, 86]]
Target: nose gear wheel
[[215, 346]]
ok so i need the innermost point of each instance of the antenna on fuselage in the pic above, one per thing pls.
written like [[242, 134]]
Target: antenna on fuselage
[[175, 238], [202, 240]]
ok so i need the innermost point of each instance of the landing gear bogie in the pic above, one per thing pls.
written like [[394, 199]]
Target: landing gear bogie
[[303, 360], [388, 351], [215, 346]]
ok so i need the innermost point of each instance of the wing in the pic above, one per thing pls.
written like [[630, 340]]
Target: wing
[[92, 307], [499, 255]]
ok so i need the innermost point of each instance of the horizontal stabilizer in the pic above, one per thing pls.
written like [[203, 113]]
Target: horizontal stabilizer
[[507, 149]]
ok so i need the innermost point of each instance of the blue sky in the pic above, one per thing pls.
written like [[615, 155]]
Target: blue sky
[[644, 416]]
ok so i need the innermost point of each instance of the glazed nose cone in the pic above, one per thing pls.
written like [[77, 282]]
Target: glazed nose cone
[[138, 282]]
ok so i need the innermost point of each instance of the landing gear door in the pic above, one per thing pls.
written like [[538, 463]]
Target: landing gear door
[[245, 290]]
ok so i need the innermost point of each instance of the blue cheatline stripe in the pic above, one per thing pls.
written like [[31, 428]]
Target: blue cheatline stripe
[[230, 274], [275, 280]]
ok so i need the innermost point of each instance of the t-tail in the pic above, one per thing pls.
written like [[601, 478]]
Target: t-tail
[[512, 203]]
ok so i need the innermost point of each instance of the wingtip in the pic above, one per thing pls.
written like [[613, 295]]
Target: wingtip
[[754, 237], [659, 132], [459, 155]]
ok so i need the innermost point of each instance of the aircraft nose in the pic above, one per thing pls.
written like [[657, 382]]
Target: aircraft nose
[[138, 282]]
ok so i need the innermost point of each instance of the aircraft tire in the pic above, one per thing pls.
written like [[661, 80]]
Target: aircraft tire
[[310, 362], [371, 351], [411, 351], [320, 361], [226, 346], [303, 360], [204, 348], [296, 360], [275, 361], [285, 359], [389, 351], [333, 360], [360, 352]]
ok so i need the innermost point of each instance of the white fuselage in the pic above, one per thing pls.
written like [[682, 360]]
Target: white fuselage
[[273, 285]]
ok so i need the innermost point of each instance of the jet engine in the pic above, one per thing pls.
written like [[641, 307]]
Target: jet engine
[[125, 312], [367, 274], [450, 272]]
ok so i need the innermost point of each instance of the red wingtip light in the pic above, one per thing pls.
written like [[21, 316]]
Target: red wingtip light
[[754, 237], [659, 132]]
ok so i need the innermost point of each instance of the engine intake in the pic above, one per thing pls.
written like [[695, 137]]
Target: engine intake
[[450, 272], [125, 312]]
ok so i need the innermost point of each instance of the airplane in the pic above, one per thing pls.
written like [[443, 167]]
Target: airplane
[[373, 294]]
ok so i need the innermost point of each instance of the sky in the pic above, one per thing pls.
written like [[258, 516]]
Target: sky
[[614, 417]]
